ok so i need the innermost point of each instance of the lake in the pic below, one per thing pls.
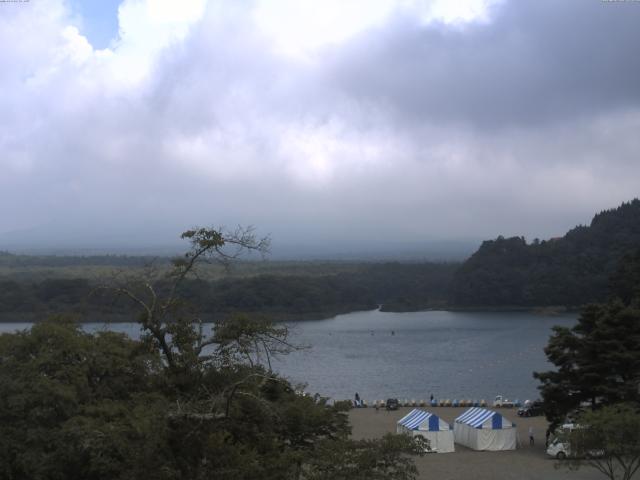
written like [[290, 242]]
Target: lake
[[450, 354], [412, 355]]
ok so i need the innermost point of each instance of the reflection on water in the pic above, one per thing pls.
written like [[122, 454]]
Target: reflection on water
[[411, 355]]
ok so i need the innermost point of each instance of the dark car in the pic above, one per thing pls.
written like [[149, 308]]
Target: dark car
[[393, 404], [533, 410]]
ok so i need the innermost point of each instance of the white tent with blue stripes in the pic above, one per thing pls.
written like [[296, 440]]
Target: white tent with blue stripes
[[429, 426], [482, 429]]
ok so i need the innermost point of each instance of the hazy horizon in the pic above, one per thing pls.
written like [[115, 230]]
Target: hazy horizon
[[437, 251]]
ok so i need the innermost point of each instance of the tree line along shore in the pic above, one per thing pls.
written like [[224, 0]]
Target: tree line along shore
[[550, 276]]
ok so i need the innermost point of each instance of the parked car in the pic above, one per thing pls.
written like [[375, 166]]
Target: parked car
[[501, 402], [393, 404], [532, 410], [560, 447]]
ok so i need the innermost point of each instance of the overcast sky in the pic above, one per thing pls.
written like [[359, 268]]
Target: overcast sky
[[326, 122]]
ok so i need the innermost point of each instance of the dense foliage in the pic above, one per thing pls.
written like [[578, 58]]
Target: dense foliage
[[82, 406], [181, 403], [608, 439], [400, 286], [75, 405], [597, 360], [596, 383], [570, 271]]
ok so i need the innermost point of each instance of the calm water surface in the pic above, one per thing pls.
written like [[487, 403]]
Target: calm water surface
[[412, 355]]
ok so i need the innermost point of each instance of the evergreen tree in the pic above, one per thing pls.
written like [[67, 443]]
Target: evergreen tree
[[598, 360]]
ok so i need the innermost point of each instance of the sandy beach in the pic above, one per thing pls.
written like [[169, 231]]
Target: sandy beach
[[527, 462]]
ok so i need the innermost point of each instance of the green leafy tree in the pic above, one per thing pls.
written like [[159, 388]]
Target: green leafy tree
[[608, 440], [367, 459], [181, 402], [76, 405]]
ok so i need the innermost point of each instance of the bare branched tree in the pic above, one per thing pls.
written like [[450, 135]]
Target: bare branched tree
[[178, 332], [164, 317]]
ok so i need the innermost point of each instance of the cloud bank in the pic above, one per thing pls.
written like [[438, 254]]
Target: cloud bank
[[373, 123]]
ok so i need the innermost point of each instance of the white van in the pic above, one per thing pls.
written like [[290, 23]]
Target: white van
[[560, 448]]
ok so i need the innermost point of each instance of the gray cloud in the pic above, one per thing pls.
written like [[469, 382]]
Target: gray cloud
[[536, 62], [408, 132]]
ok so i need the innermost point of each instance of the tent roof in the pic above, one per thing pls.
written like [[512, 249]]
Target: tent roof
[[416, 417], [476, 417]]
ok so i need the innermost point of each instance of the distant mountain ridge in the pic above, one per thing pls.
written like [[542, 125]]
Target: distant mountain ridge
[[572, 270]]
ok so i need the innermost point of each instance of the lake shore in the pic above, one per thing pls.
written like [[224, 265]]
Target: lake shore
[[281, 317], [525, 463], [100, 317]]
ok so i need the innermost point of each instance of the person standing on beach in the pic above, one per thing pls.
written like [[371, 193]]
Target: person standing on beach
[[531, 441], [357, 400]]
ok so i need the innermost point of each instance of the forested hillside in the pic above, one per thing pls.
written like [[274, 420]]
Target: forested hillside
[[571, 271], [293, 293]]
